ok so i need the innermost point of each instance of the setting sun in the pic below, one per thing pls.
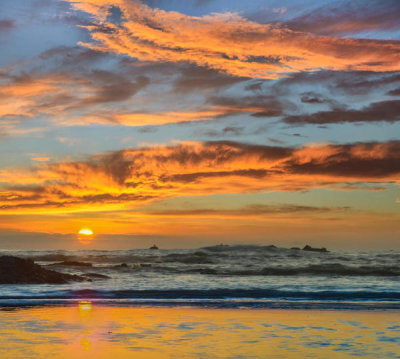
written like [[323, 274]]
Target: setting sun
[[85, 236], [86, 231]]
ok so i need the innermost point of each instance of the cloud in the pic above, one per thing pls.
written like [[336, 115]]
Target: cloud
[[339, 82], [385, 111], [160, 3], [6, 25], [132, 177], [249, 210], [138, 118], [70, 56], [228, 42], [259, 105], [64, 89], [111, 87], [349, 17], [395, 92], [314, 98], [194, 78], [215, 107], [226, 131], [62, 96]]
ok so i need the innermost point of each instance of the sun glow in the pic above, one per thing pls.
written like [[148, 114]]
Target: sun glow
[[86, 231], [85, 236]]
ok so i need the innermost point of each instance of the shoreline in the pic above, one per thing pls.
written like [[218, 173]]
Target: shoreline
[[207, 304]]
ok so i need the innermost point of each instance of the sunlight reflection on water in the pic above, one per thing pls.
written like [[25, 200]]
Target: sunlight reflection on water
[[92, 330]]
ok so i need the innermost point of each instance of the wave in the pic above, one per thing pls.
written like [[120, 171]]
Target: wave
[[212, 294], [244, 248], [224, 260], [326, 270], [329, 269], [210, 255]]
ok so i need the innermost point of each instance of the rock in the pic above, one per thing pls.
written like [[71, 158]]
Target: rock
[[311, 249], [14, 270], [153, 247]]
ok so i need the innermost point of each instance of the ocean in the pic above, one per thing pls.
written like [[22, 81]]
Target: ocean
[[218, 276]]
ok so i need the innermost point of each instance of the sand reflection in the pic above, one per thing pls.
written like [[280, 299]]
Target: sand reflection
[[89, 330]]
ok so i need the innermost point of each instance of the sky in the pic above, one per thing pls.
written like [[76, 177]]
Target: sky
[[191, 123]]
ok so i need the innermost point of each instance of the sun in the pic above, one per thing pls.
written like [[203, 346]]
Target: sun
[[85, 236], [86, 232]]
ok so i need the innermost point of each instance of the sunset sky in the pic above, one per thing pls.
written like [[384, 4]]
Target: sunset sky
[[191, 123]]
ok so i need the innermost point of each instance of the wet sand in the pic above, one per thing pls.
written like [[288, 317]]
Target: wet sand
[[87, 330]]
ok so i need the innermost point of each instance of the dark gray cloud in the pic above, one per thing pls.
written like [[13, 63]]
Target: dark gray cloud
[[194, 78], [349, 82], [258, 105], [385, 111], [395, 92], [111, 87], [349, 17], [314, 98], [228, 131], [72, 56]]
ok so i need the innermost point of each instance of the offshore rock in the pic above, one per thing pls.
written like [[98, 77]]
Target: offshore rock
[[14, 270], [311, 249]]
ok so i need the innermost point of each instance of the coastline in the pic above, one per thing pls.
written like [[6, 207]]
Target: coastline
[[212, 304]]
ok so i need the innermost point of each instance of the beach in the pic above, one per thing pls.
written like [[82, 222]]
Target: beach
[[210, 302], [88, 330]]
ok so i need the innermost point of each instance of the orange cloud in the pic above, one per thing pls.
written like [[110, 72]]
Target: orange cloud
[[132, 177], [62, 96], [104, 97], [27, 96], [205, 113], [228, 42]]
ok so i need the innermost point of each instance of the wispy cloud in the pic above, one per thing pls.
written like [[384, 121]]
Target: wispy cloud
[[248, 211], [228, 42], [349, 17], [385, 111]]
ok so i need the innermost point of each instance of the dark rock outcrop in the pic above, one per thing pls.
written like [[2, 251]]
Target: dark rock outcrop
[[311, 249], [14, 270]]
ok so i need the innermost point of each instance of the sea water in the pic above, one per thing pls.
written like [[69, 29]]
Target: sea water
[[219, 276]]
